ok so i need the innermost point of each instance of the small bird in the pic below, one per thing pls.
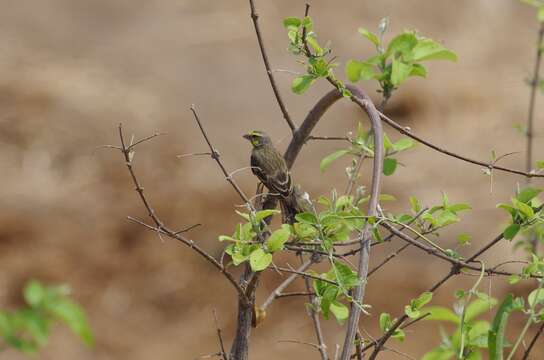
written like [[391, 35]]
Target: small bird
[[270, 168]]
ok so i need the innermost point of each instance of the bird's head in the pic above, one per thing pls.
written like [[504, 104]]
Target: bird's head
[[257, 138]]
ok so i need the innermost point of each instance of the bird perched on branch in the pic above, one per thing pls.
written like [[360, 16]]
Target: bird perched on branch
[[270, 168]]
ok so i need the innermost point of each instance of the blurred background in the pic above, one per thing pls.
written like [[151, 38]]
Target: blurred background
[[71, 71]]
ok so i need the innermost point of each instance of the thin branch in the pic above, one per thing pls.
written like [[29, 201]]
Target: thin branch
[[305, 274], [219, 336], [315, 316], [488, 165], [533, 341], [294, 294], [215, 155], [277, 292], [269, 72], [532, 100], [191, 244]]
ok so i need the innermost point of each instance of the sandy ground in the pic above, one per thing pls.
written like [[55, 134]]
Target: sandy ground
[[71, 71]]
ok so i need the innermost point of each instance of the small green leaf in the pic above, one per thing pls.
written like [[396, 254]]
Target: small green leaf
[[427, 49], [74, 316], [353, 70], [259, 260], [403, 43], [263, 214], [329, 159], [540, 14], [403, 144], [514, 279], [511, 231], [414, 203], [302, 83], [440, 313], [536, 297], [418, 70], [291, 23], [464, 239], [400, 71], [306, 217], [389, 166], [385, 321], [340, 311], [527, 194], [423, 299], [278, 238], [370, 36], [539, 164], [34, 293]]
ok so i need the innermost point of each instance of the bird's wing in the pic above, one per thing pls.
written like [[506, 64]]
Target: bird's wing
[[272, 171]]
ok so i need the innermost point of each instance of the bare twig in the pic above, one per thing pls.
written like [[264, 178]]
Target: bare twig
[[488, 165], [315, 316], [533, 341], [269, 72], [532, 100], [277, 292], [219, 336], [160, 228], [215, 155]]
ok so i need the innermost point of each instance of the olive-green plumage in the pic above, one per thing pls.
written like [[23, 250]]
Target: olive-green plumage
[[270, 167]]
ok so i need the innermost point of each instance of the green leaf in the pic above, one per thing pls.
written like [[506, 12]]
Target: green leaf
[[478, 307], [353, 70], [418, 70], [514, 279], [403, 43], [523, 207], [403, 144], [74, 316], [540, 14], [259, 260], [340, 311], [305, 231], [389, 166], [440, 313], [539, 164], [329, 159], [306, 217], [411, 312], [302, 83], [400, 71], [291, 23], [496, 339], [439, 354], [244, 215], [385, 321], [263, 214], [464, 239], [446, 218], [423, 299], [536, 297], [527, 194], [370, 36], [427, 49], [511, 231], [414, 203], [459, 207], [278, 238], [34, 293]]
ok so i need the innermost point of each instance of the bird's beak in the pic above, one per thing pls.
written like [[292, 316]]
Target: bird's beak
[[247, 136]]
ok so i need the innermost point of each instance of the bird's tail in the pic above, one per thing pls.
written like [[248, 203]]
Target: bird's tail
[[298, 201]]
